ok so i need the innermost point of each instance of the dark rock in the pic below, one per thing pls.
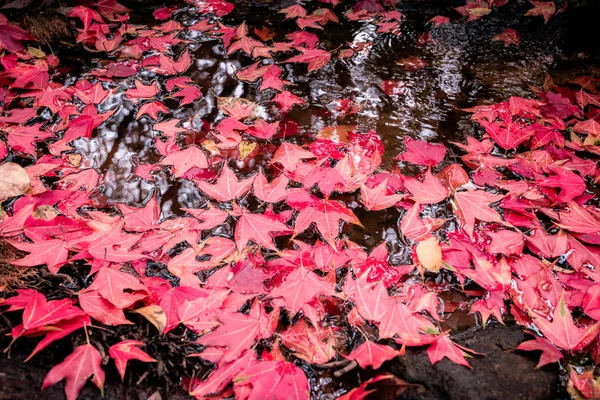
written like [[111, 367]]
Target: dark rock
[[19, 381], [501, 374]]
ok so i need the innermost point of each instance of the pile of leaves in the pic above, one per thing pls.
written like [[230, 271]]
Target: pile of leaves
[[285, 288]]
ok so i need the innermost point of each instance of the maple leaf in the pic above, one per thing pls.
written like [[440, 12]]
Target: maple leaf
[[201, 314], [84, 362], [168, 66], [227, 187], [188, 94], [273, 380], [589, 126], [86, 15], [169, 128], [209, 218], [127, 350], [184, 160], [237, 107], [222, 376], [237, 332], [273, 192], [152, 109], [585, 383], [430, 191], [315, 58], [509, 36], [300, 287], [376, 199], [101, 309], [271, 79], [119, 288], [315, 345], [444, 347], [289, 155], [257, 227], [473, 204], [508, 137], [550, 354], [51, 252], [576, 218], [142, 91], [327, 179], [370, 354], [38, 312], [370, 299], [548, 246], [10, 37], [286, 100], [247, 44], [562, 331], [57, 331], [140, 219], [421, 152], [294, 11], [251, 73], [23, 138], [263, 130], [326, 215], [545, 9]]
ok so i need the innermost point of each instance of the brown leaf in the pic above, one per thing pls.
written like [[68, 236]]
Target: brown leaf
[[14, 180], [155, 315]]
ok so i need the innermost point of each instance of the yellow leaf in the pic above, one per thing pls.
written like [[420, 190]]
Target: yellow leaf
[[37, 53], [430, 254], [246, 148], [155, 314], [45, 212], [14, 180]]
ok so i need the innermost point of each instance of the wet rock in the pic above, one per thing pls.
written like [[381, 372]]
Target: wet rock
[[500, 374]]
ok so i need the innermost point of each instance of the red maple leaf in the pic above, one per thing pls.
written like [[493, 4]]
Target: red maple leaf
[[562, 331], [258, 227], [430, 191], [474, 204], [421, 152], [152, 109], [237, 332], [127, 350], [444, 347], [227, 187], [286, 100], [142, 91], [550, 354], [11, 36], [545, 9], [377, 198], [85, 362], [326, 215], [273, 380], [370, 354], [300, 287], [184, 160], [315, 58]]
